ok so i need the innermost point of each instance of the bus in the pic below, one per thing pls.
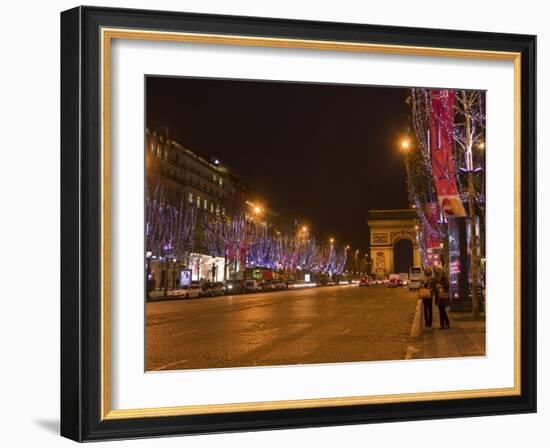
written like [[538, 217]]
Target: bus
[[415, 277]]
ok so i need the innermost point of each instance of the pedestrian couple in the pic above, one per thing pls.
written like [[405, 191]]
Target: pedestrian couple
[[435, 285]]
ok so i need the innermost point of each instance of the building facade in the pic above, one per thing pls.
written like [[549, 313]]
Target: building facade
[[208, 188], [205, 186]]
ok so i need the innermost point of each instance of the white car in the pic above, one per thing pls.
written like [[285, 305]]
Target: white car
[[189, 291], [414, 284]]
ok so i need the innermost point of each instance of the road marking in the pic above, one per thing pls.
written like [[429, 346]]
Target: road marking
[[184, 332]]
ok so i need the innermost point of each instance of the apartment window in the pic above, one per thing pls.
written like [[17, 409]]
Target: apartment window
[[190, 198], [159, 151], [198, 202], [211, 207], [205, 205], [223, 211], [221, 182], [217, 209]]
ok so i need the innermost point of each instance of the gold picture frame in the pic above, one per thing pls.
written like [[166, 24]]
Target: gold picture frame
[[105, 26]]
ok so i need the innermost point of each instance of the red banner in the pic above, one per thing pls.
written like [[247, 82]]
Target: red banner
[[432, 238], [442, 141], [230, 253]]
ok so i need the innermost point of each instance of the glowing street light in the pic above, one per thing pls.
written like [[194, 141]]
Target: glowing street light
[[405, 145], [331, 241]]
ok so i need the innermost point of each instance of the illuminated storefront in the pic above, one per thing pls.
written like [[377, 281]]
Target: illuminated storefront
[[206, 267]]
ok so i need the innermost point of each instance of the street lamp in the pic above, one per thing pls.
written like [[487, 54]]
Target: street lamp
[[405, 145]]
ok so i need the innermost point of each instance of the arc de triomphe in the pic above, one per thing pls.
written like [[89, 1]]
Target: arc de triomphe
[[387, 228]]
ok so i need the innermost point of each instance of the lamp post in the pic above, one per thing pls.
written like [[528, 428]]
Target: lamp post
[[330, 256], [166, 258], [469, 170], [148, 256], [346, 249], [473, 246], [174, 270], [367, 263]]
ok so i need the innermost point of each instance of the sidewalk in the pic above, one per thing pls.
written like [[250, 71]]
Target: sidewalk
[[464, 338]]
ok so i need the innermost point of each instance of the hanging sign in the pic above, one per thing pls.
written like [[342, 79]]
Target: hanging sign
[[442, 143]]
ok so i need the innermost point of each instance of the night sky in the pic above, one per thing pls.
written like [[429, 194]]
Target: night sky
[[325, 153]]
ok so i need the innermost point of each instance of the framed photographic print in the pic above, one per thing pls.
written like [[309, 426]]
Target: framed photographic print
[[276, 224]]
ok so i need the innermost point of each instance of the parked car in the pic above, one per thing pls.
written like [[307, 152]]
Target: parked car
[[180, 292], [189, 291], [266, 286], [235, 287], [207, 289], [219, 288], [252, 286], [212, 289], [278, 285]]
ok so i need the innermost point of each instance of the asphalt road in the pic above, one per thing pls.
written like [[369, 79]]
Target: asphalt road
[[305, 326]]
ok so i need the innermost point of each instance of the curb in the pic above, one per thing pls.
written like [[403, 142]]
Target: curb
[[416, 338]]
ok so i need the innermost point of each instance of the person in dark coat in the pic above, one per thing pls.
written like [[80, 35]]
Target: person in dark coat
[[442, 297], [427, 284]]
